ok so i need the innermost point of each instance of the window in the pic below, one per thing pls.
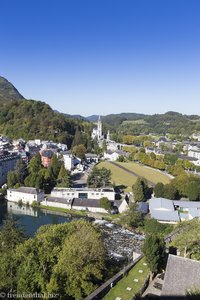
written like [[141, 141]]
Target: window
[[82, 195]]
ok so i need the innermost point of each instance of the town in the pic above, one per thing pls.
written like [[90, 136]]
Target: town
[[100, 150], [97, 183]]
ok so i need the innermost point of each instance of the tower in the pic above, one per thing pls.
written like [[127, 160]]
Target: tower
[[99, 129], [108, 136]]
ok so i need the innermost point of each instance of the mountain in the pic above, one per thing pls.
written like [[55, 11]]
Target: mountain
[[30, 119], [93, 118], [8, 92], [170, 122]]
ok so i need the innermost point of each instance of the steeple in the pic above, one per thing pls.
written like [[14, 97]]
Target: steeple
[[99, 128]]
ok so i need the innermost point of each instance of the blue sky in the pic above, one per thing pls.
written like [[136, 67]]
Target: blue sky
[[104, 56]]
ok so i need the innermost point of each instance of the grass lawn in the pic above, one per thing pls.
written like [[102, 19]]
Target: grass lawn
[[120, 289], [119, 177], [67, 211], [150, 174]]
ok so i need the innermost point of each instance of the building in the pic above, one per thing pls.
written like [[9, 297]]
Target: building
[[84, 193], [58, 202], [172, 211], [69, 161], [195, 153], [113, 156], [92, 205], [25, 194], [97, 132], [182, 275], [91, 157], [46, 156], [7, 163]]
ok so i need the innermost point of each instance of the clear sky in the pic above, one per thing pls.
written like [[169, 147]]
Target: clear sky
[[103, 56]]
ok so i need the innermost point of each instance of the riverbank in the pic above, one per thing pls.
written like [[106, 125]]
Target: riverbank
[[71, 212]]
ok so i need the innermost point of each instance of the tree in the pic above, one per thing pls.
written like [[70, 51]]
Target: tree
[[132, 217], [35, 164], [159, 190], [105, 203], [170, 159], [81, 262], [141, 191], [64, 179], [12, 179], [154, 251], [11, 235], [55, 166], [21, 170], [79, 151], [99, 177], [193, 191], [138, 191], [153, 227], [78, 138], [67, 259], [187, 239], [170, 192]]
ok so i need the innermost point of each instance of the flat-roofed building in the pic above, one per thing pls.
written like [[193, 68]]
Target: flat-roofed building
[[84, 193]]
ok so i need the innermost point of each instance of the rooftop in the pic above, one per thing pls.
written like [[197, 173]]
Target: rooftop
[[27, 190], [181, 274], [161, 203], [86, 202], [166, 215]]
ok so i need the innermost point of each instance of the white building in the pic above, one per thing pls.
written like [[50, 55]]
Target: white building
[[84, 193], [68, 161], [25, 194], [113, 156], [172, 211], [92, 205], [194, 152], [57, 202], [97, 132]]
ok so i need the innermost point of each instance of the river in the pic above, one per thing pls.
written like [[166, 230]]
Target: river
[[120, 243]]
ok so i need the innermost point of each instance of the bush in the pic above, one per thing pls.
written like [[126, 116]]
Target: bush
[[105, 203], [35, 204]]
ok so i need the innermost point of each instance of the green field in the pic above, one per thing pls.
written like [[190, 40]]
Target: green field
[[134, 122], [120, 289], [119, 177], [148, 173]]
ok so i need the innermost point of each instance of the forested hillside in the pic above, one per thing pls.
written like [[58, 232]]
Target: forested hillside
[[30, 119], [170, 122]]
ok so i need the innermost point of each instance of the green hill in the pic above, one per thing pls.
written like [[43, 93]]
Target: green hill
[[170, 122], [30, 119]]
